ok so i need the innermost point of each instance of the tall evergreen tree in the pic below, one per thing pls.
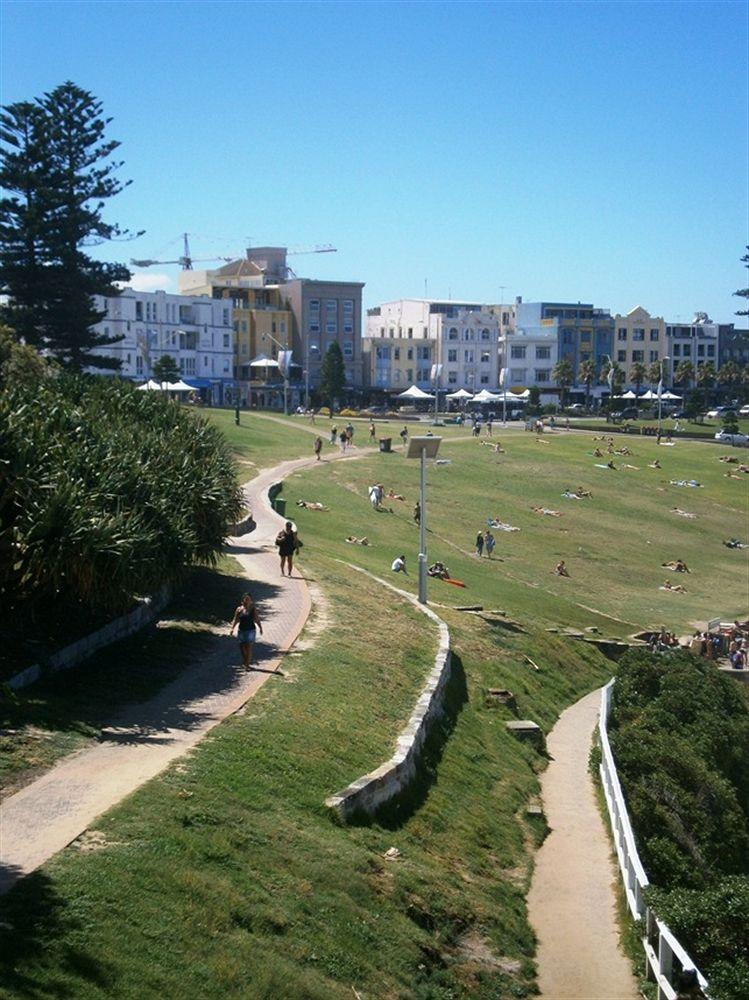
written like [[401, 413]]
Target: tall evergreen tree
[[70, 178], [332, 374]]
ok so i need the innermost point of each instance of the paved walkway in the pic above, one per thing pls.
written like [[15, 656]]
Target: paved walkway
[[45, 816], [572, 900]]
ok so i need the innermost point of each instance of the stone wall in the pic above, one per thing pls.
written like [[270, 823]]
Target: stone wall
[[120, 628], [368, 793]]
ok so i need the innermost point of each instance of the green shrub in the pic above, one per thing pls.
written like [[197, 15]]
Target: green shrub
[[105, 492]]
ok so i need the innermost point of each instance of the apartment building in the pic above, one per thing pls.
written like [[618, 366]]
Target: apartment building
[[529, 355], [195, 330], [583, 332], [733, 345], [639, 337], [697, 342], [406, 336]]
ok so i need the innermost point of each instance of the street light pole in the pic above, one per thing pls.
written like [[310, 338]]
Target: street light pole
[[423, 448], [660, 394], [285, 373]]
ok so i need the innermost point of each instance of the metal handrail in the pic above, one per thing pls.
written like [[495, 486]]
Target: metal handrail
[[662, 948]]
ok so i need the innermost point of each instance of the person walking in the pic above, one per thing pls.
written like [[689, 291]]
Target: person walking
[[489, 426], [350, 432], [404, 435], [343, 438], [318, 447], [287, 543], [489, 542], [417, 512], [372, 431], [333, 435], [480, 544], [247, 618]]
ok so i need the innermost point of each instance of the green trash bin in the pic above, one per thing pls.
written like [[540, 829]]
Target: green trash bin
[[279, 505], [385, 444]]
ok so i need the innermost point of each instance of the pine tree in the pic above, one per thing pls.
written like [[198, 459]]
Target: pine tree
[[332, 375], [743, 293], [68, 175], [166, 369]]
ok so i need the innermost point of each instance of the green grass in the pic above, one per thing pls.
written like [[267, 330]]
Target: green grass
[[49, 719], [613, 544], [227, 877], [708, 429]]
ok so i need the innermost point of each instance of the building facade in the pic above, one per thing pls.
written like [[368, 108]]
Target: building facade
[[582, 332], [639, 337], [406, 336], [195, 330], [733, 345]]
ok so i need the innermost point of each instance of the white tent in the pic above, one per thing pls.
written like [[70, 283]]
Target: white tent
[[460, 394], [262, 362], [486, 397], [150, 386], [525, 394], [180, 386], [649, 395], [627, 395], [414, 393], [672, 396]]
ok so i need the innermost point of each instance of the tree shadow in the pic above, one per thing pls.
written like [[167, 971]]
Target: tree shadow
[[32, 917], [399, 810]]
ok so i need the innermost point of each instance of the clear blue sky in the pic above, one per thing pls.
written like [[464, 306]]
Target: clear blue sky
[[573, 151]]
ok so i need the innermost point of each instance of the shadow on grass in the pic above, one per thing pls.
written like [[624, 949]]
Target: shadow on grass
[[32, 917], [399, 810]]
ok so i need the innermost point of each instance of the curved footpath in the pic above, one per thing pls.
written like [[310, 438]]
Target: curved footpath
[[51, 812], [572, 899]]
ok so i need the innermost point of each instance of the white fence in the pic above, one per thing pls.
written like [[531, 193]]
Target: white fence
[[665, 957]]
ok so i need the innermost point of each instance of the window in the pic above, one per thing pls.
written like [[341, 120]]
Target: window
[[314, 305], [187, 366], [621, 333], [517, 351], [205, 362], [396, 353], [653, 356], [485, 357], [314, 328], [243, 326], [331, 327], [485, 335], [348, 349], [621, 355], [245, 348], [638, 333], [226, 366], [348, 307], [410, 331], [505, 319], [383, 353], [348, 326], [468, 335], [226, 317], [677, 350], [654, 334], [711, 350], [700, 350], [422, 353], [139, 310], [543, 353], [273, 326], [638, 355], [227, 339], [397, 375], [543, 375], [452, 355], [452, 333], [282, 326], [468, 357], [452, 378], [517, 375], [409, 375], [138, 364], [585, 336], [331, 306], [687, 351], [484, 380], [410, 354]]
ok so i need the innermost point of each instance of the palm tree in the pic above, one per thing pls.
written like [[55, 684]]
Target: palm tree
[[684, 373], [564, 376], [729, 374], [654, 372], [587, 375], [637, 375], [706, 375]]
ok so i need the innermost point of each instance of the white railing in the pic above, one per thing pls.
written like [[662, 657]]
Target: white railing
[[665, 957]]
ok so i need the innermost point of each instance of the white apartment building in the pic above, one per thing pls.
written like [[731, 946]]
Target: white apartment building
[[529, 355], [463, 338], [195, 330]]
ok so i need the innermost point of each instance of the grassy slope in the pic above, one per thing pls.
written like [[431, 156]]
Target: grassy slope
[[225, 877], [613, 544], [707, 429]]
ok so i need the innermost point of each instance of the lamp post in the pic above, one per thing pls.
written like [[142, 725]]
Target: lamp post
[[436, 372], [285, 373], [310, 347], [423, 448], [660, 394]]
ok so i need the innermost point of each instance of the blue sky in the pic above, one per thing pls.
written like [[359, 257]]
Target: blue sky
[[573, 151]]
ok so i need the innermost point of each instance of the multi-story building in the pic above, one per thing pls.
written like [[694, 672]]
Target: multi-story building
[[583, 333], [529, 355], [195, 330], [638, 337], [697, 342], [733, 345], [406, 336]]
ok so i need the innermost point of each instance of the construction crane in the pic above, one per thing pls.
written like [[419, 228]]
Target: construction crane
[[317, 248], [185, 261]]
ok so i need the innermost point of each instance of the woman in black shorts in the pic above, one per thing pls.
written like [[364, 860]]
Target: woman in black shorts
[[248, 620], [287, 543]]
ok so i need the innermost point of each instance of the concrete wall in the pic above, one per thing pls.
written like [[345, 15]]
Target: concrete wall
[[368, 793], [120, 628]]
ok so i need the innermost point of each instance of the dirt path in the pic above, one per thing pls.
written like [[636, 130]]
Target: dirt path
[[51, 812], [572, 901]]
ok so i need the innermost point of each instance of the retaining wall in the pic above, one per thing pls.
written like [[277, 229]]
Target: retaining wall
[[368, 793], [120, 628]]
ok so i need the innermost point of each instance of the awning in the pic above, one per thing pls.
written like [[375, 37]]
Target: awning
[[262, 362], [414, 393], [199, 383], [460, 394]]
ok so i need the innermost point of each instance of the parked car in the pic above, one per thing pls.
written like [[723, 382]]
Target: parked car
[[738, 440], [744, 411], [717, 412], [628, 413], [577, 408]]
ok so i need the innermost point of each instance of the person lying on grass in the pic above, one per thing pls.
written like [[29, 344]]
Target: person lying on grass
[[682, 513], [731, 459], [655, 464], [353, 540], [677, 565], [439, 570], [392, 495], [311, 505], [560, 569], [581, 492], [675, 587], [547, 510]]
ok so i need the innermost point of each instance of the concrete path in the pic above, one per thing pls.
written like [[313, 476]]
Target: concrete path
[[45, 816], [572, 901]]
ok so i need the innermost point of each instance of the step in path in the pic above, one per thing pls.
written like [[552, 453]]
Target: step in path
[[572, 899], [48, 814]]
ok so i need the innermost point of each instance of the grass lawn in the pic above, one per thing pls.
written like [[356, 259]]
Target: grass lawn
[[708, 429], [226, 876], [613, 544]]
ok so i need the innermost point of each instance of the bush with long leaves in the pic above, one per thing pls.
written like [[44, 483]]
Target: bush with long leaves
[[105, 492]]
